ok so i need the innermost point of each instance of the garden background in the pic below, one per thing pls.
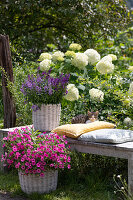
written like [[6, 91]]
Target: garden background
[[106, 26]]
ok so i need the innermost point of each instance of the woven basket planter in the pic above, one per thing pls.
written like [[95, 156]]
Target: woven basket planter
[[35, 183], [47, 117]]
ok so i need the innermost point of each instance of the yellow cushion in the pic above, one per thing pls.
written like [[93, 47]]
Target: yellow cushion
[[75, 130]]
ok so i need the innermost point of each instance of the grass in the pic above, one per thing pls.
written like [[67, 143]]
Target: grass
[[70, 187], [1, 123]]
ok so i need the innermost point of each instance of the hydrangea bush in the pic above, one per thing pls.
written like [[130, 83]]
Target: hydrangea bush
[[98, 81], [79, 65], [35, 153], [74, 59]]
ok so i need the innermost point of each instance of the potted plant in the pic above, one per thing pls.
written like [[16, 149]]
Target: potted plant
[[45, 91], [37, 158]]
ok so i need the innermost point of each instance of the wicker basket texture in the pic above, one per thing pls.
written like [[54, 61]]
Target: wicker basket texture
[[46, 118], [35, 183]]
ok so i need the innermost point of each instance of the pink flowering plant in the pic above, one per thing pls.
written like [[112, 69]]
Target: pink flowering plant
[[34, 153]]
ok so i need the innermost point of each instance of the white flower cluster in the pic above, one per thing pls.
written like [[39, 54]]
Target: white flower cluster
[[128, 121], [105, 65], [114, 57], [130, 68], [73, 93], [58, 56], [80, 60], [45, 56], [127, 102], [107, 58], [96, 94], [75, 46], [130, 92], [45, 65], [70, 54], [93, 56]]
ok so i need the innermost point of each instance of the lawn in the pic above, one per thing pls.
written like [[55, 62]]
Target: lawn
[[70, 187]]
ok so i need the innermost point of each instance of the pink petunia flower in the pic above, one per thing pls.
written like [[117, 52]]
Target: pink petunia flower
[[69, 166], [22, 167], [38, 170], [14, 148], [38, 164], [42, 174]]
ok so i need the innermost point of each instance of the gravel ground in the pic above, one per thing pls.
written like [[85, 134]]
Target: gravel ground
[[7, 196]]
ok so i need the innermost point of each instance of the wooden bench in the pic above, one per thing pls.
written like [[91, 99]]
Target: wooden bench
[[124, 150]]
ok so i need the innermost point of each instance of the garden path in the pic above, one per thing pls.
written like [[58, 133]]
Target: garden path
[[7, 196]]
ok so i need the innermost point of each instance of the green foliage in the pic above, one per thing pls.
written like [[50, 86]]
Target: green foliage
[[82, 163], [1, 102], [23, 110], [121, 187], [120, 45], [60, 22]]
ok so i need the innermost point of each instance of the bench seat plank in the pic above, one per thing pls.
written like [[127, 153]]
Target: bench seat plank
[[114, 150]]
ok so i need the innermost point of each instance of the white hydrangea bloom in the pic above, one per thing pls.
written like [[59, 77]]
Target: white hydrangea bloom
[[130, 68], [70, 54], [80, 60], [73, 93], [75, 46], [107, 58], [127, 102], [45, 56], [58, 56], [45, 65], [114, 57], [128, 121], [96, 94], [105, 66], [130, 91], [93, 56]]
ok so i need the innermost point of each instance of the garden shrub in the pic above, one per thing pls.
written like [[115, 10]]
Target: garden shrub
[[23, 110], [116, 105]]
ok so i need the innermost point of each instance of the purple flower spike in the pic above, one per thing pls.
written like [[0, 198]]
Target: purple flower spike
[[45, 89]]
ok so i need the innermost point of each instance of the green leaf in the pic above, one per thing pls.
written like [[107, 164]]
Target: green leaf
[[74, 74], [81, 87]]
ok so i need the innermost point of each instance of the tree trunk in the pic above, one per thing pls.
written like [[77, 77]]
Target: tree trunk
[[7, 72]]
